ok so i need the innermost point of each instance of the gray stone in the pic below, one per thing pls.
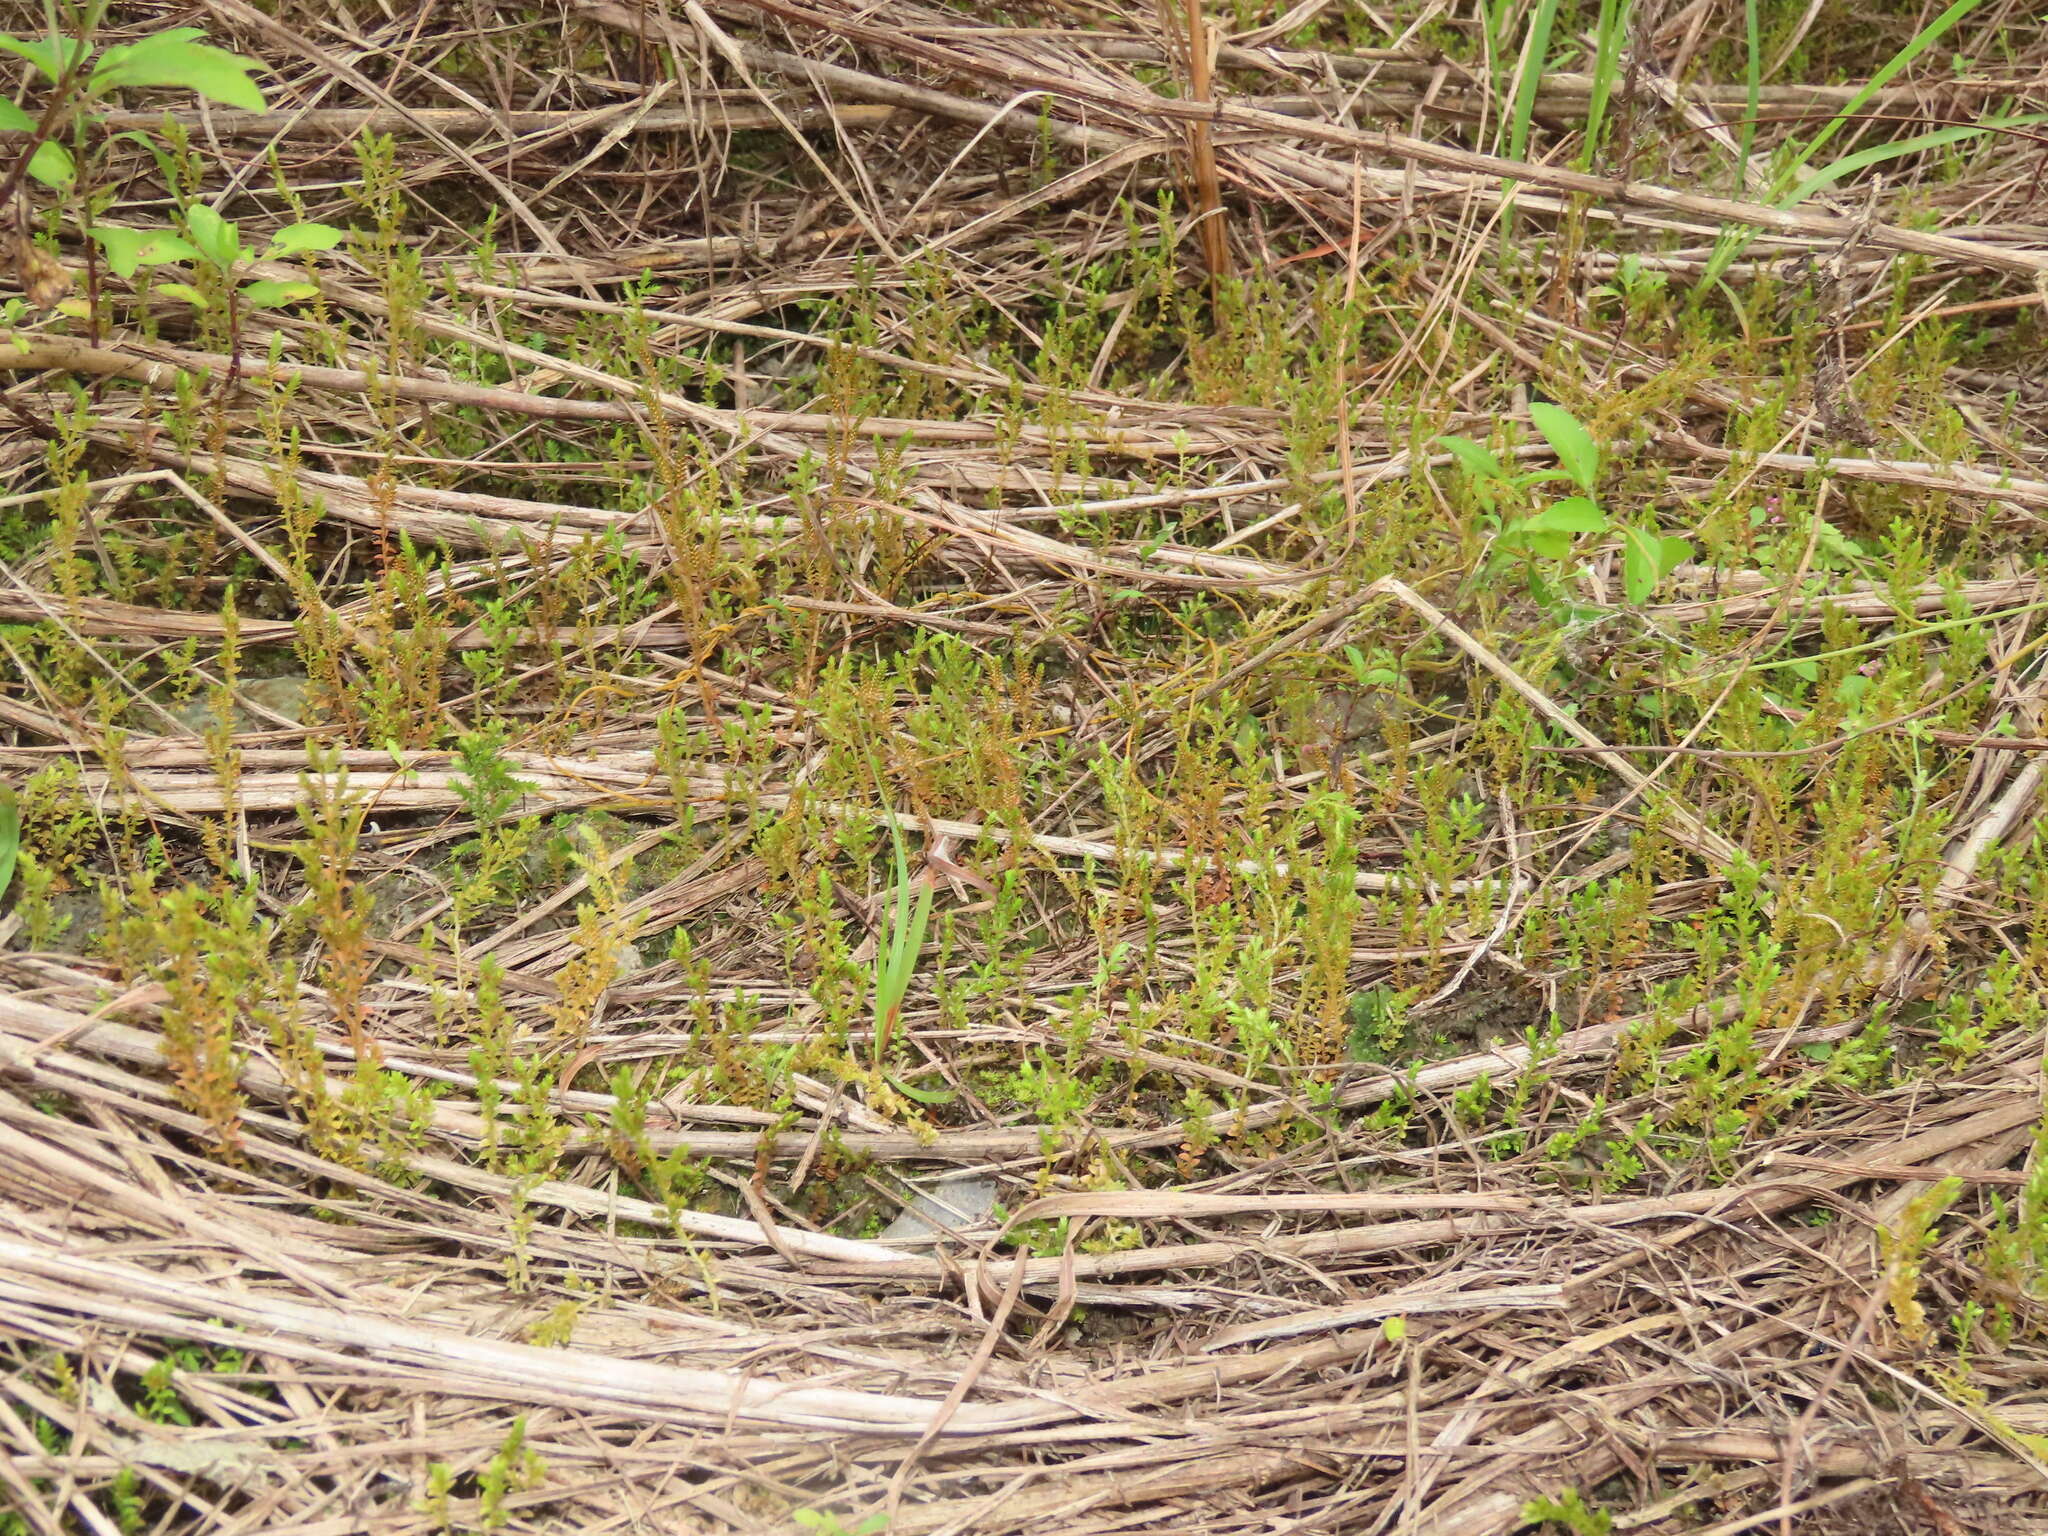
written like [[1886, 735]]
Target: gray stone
[[961, 1204]]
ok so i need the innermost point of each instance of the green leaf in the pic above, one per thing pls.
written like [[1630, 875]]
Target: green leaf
[[164, 161], [52, 165], [266, 294], [186, 292], [1394, 1329], [219, 241], [128, 249], [172, 60], [1647, 558], [294, 239], [10, 836], [1548, 543], [13, 119], [48, 54], [1638, 564], [1478, 462], [1576, 450], [1837, 545], [923, 1095], [1374, 673], [1575, 514]]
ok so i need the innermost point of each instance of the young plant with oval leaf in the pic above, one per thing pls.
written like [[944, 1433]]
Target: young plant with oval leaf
[[1550, 533], [214, 244], [82, 78], [54, 144]]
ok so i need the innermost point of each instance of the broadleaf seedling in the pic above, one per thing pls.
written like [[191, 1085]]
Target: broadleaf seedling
[[82, 87], [1647, 557]]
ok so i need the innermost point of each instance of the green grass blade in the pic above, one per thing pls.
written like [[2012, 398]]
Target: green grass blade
[[1878, 153], [1921, 41], [10, 836], [910, 915], [1753, 90], [1607, 35], [1735, 241], [1529, 74]]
